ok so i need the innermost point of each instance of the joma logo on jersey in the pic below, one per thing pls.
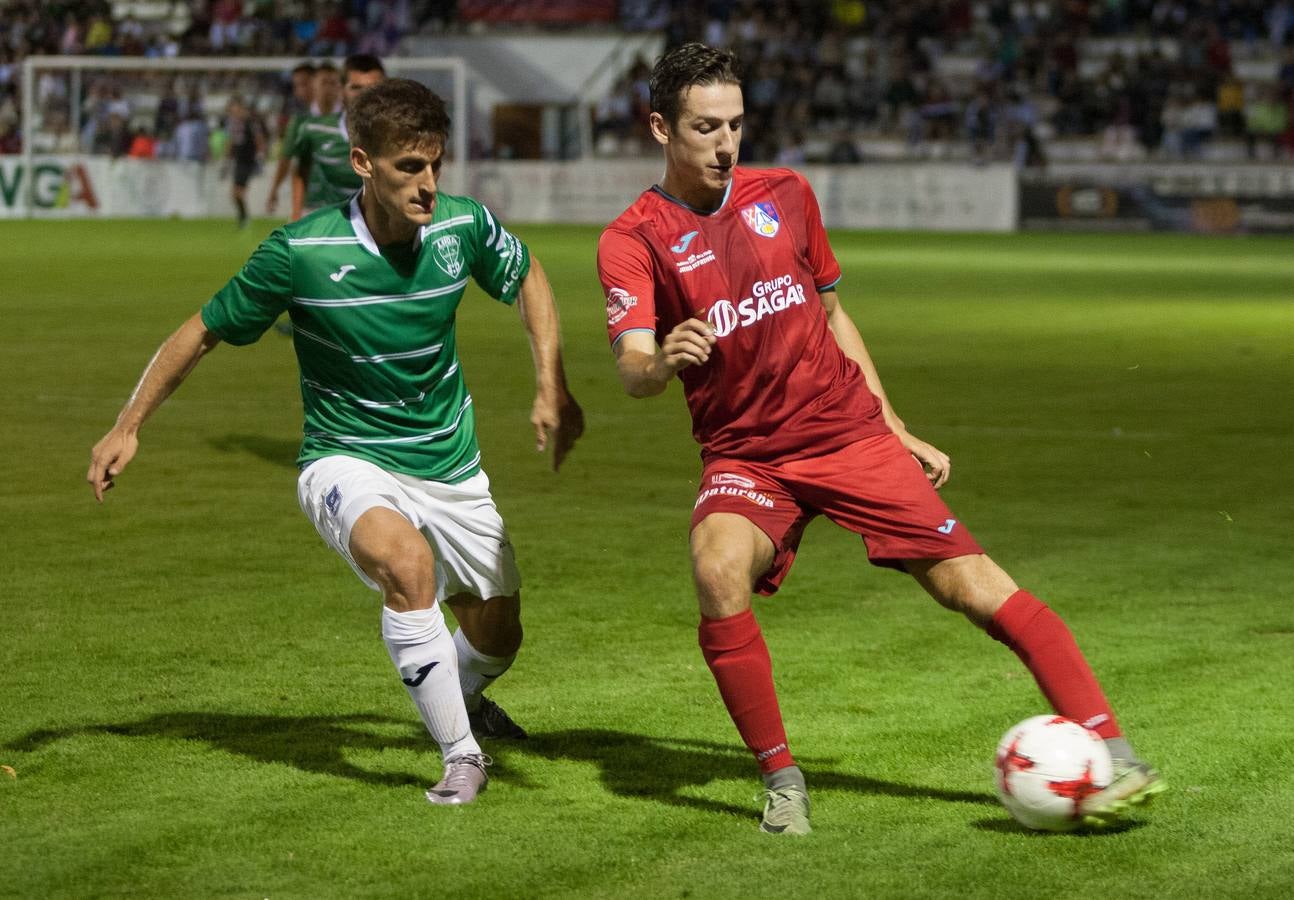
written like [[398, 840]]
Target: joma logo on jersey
[[762, 218], [692, 261], [681, 246], [767, 298], [448, 255]]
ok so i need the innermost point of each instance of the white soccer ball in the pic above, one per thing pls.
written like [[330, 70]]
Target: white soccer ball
[[1046, 766]]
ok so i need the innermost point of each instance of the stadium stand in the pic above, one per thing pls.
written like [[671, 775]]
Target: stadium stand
[[1002, 80], [839, 81]]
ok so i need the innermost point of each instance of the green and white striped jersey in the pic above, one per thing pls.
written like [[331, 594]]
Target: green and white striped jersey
[[323, 143], [374, 329], [290, 133]]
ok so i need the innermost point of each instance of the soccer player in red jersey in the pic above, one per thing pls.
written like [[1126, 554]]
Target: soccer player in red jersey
[[724, 277]]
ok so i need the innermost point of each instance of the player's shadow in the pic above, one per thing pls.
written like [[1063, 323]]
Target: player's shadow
[[310, 743], [279, 451], [663, 769], [630, 765], [1004, 825]]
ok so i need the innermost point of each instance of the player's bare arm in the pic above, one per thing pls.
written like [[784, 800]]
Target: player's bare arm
[[172, 363], [280, 176], [300, 177], [646, 369], [556, 416], [937, 464]]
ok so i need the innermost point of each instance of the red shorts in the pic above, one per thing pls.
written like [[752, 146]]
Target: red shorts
[[873, 487]]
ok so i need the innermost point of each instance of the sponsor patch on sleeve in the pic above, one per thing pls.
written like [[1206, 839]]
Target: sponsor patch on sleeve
[[619, 303]]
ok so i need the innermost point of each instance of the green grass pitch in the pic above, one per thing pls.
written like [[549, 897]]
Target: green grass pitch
[[195, 701]]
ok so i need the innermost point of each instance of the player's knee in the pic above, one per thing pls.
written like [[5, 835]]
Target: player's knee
[[721, 575], [406, 573], [966, 601], [974, 586], [976, 605]]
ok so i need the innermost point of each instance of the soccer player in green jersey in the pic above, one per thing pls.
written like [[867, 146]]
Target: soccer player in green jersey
[[308, 191], [322, 145], [390, 468], [303, 91]]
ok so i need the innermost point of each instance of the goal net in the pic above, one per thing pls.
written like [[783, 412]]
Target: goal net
[[83, 116]]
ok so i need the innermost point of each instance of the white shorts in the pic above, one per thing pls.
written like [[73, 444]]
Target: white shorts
[[460, 521]]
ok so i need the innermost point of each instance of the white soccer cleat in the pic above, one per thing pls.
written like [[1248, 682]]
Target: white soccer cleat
[[786, 811], [464, 779]]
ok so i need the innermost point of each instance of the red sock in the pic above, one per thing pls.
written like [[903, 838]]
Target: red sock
[[1045, 645], [735, 651]]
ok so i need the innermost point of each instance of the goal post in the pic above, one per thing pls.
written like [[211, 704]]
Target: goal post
[[56, 87]]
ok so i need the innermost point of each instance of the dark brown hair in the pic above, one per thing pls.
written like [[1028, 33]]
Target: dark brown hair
[[684, 67], [361, 62], [397, 113]]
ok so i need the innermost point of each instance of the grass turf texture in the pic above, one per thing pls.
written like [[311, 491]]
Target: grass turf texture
[[196, 700]]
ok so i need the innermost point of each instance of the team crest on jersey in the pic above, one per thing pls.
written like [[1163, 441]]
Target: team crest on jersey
[[762, 218], [448, 255]]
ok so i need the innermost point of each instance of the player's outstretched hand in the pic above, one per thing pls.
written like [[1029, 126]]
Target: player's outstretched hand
[[936, 462], [688, 344], [558, 421], [108, 458]]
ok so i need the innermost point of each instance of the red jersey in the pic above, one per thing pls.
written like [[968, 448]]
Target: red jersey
[[777, 385]]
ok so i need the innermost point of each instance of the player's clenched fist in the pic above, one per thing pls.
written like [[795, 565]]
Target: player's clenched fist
[[688, 344]]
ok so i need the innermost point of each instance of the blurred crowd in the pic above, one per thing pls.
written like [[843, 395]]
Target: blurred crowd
[[188, 116], [998, 78], [204, 27], [825, 80], [170, 28]]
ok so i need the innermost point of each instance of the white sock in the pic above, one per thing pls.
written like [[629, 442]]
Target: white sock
[[476, 670], [424, 655]]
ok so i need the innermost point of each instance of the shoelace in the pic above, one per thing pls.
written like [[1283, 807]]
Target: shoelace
[[772, 797], [457, 773]]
